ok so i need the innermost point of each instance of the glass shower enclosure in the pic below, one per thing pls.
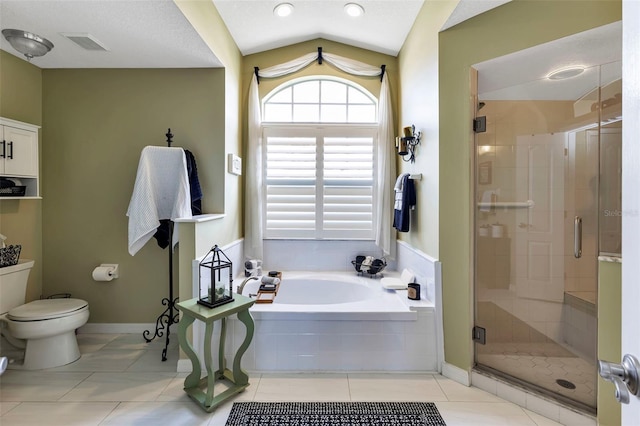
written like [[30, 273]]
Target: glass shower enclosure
[[547, 188]]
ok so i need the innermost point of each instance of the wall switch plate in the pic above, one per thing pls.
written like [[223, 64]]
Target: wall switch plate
[[234, 164]]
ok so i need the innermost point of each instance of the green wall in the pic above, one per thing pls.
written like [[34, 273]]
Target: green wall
[[96, 122], [21, 220], [609, 337], [419, 103], [294, 51], [506, 29], [206, 20]]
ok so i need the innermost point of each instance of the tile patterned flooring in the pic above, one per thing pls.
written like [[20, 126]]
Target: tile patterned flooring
[[543, 364], [121, 380]]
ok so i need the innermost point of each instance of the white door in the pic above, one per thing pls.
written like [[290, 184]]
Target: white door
[[631, 193], [539, 236]]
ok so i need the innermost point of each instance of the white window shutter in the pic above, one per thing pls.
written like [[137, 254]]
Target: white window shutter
[[320, 183]]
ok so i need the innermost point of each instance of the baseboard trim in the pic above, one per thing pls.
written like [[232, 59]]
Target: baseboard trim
[[456, 374], [120, 328]]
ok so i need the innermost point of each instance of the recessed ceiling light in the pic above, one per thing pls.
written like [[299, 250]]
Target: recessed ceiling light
[[564, 73], [353, 9], [283, 9]]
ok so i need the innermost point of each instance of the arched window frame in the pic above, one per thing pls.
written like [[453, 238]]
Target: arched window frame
[[333, 208], [290, 85]]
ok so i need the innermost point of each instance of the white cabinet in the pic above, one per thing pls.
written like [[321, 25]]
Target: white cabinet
[[19, 154]]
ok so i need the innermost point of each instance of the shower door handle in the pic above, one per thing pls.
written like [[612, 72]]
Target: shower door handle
[[577, 237], [624, 376]]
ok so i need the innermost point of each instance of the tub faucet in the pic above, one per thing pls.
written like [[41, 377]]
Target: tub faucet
[[241, 286]]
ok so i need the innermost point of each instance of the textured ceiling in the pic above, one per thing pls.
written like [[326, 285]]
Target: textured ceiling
[[137, 34], [383, 27], [522, 75], [155, 34]]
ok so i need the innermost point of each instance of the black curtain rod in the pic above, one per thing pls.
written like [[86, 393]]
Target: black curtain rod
[[383, 67]]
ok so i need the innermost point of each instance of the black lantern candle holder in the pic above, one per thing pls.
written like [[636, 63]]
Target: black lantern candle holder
[[215, 279]]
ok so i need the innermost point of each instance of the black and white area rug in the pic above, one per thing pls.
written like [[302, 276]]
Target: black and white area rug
[[334, 413]]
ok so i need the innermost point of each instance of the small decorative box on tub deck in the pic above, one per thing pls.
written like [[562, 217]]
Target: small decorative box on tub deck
[[9, 255]]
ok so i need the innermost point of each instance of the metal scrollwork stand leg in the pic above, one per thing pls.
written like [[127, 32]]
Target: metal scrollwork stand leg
[[170, 315]]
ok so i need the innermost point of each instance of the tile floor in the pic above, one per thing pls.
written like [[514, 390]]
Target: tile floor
[[543, 364], [121, 380]]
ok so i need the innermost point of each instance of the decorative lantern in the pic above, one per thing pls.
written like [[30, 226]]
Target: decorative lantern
[[215, 279]]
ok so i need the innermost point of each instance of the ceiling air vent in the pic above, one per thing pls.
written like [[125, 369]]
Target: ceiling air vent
[[85, 40]]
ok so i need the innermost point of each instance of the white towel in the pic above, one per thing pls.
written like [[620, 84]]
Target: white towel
[[397, 205], [161, 191], [487, 200]]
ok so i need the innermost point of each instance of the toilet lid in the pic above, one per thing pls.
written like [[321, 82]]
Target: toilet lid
[[46, 309]]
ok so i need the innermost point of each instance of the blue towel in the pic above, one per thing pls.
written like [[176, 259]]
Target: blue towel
[[408, 200]]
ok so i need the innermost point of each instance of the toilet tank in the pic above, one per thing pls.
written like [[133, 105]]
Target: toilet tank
[[13, 284]]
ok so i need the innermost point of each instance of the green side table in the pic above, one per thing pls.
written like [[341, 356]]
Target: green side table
[[239, 379]]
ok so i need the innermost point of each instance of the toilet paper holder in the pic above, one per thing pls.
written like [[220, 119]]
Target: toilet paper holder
[[111, 269]]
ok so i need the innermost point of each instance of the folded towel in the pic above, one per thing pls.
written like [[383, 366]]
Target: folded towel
[[398, 187], [401, 283], [366, 263], [270, 280], [161, 191]]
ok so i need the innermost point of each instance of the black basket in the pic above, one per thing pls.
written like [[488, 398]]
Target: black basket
[[13, 191], [9, 255], [376, 266]]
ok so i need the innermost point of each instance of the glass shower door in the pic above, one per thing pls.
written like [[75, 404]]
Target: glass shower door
[[536, 236]]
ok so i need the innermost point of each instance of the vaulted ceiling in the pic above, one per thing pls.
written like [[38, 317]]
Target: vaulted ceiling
[[155, 34]]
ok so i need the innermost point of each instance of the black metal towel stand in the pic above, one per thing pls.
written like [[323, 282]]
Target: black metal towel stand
[[170, 314]]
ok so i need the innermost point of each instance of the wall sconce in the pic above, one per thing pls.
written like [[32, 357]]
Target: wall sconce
[[406, 144]]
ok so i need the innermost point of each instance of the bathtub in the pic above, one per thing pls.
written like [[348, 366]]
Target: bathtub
[[331, 296], [333, 322]]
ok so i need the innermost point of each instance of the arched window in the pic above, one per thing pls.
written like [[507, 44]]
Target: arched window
[[320, 100], [320, 138]]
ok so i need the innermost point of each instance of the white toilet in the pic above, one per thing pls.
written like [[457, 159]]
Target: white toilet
[[45, 329]]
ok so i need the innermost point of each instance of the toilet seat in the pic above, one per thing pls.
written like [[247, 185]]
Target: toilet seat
[[47, 309]]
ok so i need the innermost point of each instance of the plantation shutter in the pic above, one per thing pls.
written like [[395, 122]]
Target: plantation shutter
[[348, 187], [319, 183], [291, 186]]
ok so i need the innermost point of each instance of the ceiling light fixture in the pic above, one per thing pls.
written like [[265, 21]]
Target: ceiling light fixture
[[29, 44], [283, 10], [354, 10], [564, 73]]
